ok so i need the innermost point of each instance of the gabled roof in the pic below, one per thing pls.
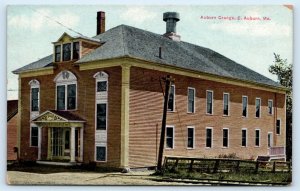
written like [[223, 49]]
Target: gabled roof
[[127, 41], [54, 115], [12, 108]]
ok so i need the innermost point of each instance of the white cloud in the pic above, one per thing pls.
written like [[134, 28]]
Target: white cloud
[[138, 14], [43, 18]]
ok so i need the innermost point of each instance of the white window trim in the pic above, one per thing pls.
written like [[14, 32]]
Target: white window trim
[[227, 138], [259, 138], [279, 126], [66, 95], [99, 145], [212, 102], [174, 98], [56, 44], [246, 106], [258, 98], [66, 83], [30, 143], [173, 143], [228, 103], [34, 84], [272, 106], [271, 141], [100, 77], [106, 125], [62, 56], [212, 137], [246, 137], [191, 127], [194, 100]]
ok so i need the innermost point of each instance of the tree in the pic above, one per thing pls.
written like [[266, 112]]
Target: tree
[[284, 72]]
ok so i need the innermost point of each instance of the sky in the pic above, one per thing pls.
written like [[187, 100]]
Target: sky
[[32, 29]]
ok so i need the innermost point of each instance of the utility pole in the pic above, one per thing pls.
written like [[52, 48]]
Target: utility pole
[[168, 80]]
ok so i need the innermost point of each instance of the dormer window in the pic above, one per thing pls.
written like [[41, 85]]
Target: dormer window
[[57, 53], [75, 50], [68, 48], [67, 52]]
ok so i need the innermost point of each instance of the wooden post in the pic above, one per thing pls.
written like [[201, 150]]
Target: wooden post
[[256, 166], [217, 163], [274, 167], [237, 168], [168, 81], [191, 165], [176, 164]]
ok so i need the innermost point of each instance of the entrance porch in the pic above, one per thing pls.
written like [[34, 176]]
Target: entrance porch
[[65, 136]]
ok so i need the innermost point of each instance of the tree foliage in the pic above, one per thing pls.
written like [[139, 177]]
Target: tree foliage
[[284, 72]]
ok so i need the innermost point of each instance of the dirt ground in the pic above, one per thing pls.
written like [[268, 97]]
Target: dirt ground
[[63, 177]]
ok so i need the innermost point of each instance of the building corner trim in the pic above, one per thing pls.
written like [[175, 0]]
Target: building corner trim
[[124, 158]]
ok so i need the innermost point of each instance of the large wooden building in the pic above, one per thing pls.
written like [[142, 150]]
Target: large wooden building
[[100, 100]]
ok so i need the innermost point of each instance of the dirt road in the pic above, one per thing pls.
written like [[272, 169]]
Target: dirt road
[[84, 178]]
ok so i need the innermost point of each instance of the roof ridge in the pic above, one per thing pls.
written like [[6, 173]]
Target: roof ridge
[[125, 48]]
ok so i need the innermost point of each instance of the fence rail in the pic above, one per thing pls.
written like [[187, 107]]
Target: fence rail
[[225, 165]]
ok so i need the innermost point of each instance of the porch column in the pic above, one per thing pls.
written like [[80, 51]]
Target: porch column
[[72, 144], [49, 144], [81, 144], [39, 142]]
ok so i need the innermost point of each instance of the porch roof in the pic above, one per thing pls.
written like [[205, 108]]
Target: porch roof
[[61, 118]]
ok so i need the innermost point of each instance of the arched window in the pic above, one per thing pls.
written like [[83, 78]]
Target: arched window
[[101, 116], [34, 95], [66, 91]]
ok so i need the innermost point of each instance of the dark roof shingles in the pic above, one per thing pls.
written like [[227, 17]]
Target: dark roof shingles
[[68, 115], [129, 41], [12, 108]]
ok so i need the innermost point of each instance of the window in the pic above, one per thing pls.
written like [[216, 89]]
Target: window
[[101, 116], [270, 139], [226, 104], [244, 137], [66, 97], [245, 106], [209, 102], [66, 52], [191, 100], [257, 106], [225, 137], [35, 99], [101, 86], [171, 103], [170, 137], [278, 128], [34, 136], [71, 99], [75, 50], [209, 137], [190, 143], [57, 53], [100, 153], [257, 137], [60, 97], [270, 107], [34, 95]]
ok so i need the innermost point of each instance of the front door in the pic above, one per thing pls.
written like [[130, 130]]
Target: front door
[[57, 142]]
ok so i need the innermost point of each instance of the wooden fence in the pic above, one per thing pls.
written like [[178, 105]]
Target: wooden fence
[[206, 165]]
